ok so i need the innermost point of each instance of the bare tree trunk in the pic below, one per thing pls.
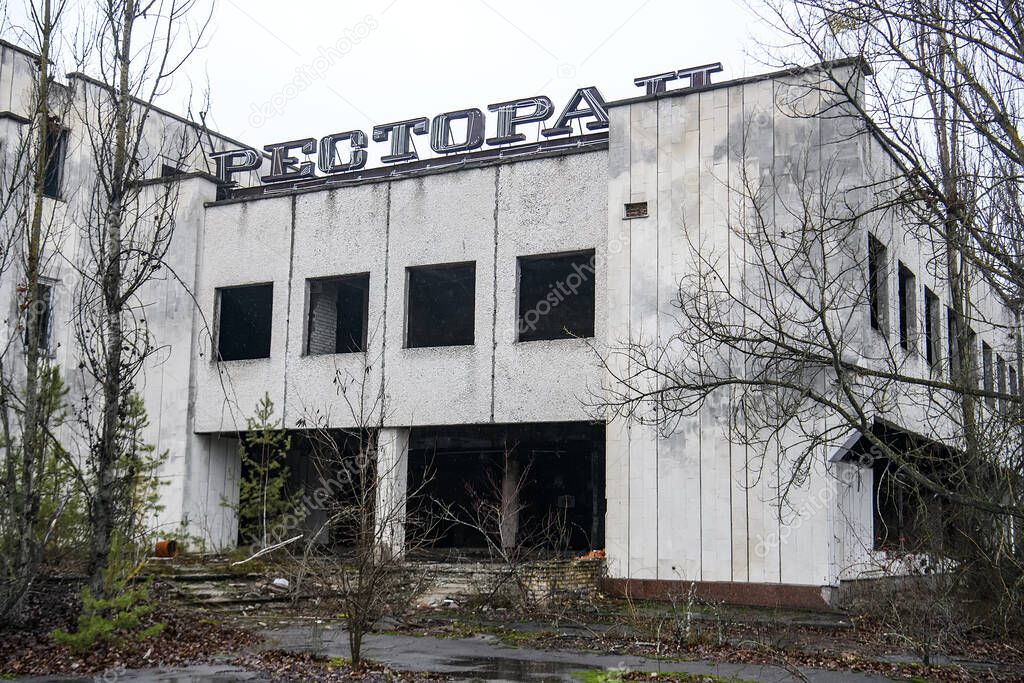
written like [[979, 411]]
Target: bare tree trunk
[[355, 644], [25, 498], [113, 390], [368, 575]]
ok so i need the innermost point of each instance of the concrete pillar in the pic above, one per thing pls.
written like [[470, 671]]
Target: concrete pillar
[[509, 522], [392, 477], [211, 489]]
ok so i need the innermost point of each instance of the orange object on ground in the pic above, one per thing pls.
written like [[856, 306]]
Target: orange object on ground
[[166, 548]]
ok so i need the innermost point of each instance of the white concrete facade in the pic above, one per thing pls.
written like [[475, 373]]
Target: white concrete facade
[[489, 216], [192, 464], [681, 507], [694, 506]]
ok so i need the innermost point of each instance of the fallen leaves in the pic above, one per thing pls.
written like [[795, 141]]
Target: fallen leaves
[[188, 637]]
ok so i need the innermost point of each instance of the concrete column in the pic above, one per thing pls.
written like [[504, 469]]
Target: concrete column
[[211, 488], [392, 477]]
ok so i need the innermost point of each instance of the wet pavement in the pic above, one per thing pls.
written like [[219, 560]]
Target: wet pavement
[[482, 658], [191, 674]]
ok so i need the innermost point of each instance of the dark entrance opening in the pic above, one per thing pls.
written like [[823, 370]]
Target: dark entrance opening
[[320, 475], [908, 517], [538, 488], [55, 151]]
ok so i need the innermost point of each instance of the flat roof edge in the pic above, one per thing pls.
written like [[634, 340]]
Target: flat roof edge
[[545, 149], [774, 75]]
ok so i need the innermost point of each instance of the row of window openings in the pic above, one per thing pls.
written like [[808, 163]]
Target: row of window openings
[[555, 301], [998, 373]]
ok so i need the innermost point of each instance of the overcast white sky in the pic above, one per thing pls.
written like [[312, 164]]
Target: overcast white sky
[[279, 70], [283, 70]]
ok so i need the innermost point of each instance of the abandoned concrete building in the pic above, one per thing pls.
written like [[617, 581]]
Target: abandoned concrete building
[[479, 289]]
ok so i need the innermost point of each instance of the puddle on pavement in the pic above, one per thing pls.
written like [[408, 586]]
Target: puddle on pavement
[[501, 669], [467, 668]]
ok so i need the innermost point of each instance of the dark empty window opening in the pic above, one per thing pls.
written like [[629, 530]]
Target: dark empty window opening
[[878, 284], [931, 327], [337, 321], [321, 469], [39, 311], [1011, 382], [440, 305], [908, 306], [953, 334], [244, 323], [962, 361], [1001, 383], [987, 374], [556, 296], [169, 171], [55, 152], [537, 489]]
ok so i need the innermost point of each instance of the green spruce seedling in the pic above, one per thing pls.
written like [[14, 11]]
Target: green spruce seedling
[[265, 509]]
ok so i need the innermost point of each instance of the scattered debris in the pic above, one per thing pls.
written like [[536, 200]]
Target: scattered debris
[[592, 555]]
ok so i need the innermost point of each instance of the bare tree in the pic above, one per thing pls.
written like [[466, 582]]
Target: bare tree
[[31, 392], [128, 225], [774, 328], [357, 542], [945, 104]]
